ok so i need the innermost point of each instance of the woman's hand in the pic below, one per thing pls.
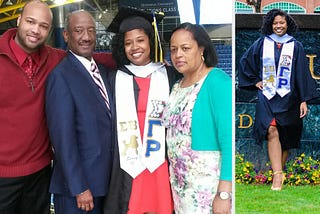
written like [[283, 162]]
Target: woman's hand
[[303, 109], [259, 85], [220, 206]]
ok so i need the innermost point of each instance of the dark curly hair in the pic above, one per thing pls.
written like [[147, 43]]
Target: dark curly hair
[[266, 28], [118, 52], [203, 40]]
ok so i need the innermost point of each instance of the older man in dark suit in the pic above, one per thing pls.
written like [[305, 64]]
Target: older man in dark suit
[[79, 113]]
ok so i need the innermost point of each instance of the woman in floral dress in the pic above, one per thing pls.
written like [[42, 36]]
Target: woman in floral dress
[[198, 118]]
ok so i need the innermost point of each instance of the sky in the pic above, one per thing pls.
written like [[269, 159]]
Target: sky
[[211, 11]]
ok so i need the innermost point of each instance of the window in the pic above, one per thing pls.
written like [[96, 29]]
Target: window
[[286, 6], [241, 7]]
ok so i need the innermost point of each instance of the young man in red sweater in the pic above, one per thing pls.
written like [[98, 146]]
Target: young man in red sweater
[[25, 150]]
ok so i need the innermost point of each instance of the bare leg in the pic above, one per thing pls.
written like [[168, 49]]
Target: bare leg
[[275, 155]]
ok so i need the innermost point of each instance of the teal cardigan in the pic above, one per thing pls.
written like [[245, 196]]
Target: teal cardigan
[[211, 125]]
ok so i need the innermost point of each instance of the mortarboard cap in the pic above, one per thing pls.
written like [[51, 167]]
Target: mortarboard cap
[[129, 18]]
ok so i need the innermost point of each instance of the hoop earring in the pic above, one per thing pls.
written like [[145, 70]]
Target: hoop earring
[[202, 58]]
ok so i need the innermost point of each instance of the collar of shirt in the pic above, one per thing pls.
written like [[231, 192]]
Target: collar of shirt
[[84, 61], [281, 39], [21, 55]]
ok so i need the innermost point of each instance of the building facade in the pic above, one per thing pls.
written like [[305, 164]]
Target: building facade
[[293, 6]]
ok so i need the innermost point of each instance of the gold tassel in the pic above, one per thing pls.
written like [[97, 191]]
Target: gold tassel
[[157, 42]]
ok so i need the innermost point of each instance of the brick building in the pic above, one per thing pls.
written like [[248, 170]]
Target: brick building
[[290, 6]]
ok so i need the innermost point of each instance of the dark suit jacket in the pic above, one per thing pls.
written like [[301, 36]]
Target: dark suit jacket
[[81, 130]]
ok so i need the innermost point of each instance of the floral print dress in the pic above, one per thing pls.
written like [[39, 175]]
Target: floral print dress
[[194, 175]]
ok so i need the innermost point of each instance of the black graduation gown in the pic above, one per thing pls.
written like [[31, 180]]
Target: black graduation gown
[[118, 196], [285, 110]]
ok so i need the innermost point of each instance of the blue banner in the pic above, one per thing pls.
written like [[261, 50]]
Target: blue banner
[[196, 8]]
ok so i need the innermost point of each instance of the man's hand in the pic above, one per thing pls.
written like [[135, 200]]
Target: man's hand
[[85, 200]]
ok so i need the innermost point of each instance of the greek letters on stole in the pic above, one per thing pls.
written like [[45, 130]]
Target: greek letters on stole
[[135, 155], [276, 82]]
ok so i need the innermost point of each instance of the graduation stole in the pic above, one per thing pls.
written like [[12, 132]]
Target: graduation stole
[[277, 81], [135, 155]]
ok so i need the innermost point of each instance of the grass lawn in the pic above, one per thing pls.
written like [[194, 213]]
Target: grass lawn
[[260, 199]]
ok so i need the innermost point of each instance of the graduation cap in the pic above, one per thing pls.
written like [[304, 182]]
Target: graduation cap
[[129, 18]]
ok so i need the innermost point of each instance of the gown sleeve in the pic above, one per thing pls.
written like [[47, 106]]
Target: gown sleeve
[[249, 66], [306, 85]]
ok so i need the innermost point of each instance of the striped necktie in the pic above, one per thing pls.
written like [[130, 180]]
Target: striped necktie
[[97, 79]]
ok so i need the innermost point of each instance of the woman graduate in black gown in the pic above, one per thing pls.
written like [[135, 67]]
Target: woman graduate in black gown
[[276, 65]]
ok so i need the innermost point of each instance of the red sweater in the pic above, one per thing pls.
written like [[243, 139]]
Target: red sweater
[[24, 138]]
